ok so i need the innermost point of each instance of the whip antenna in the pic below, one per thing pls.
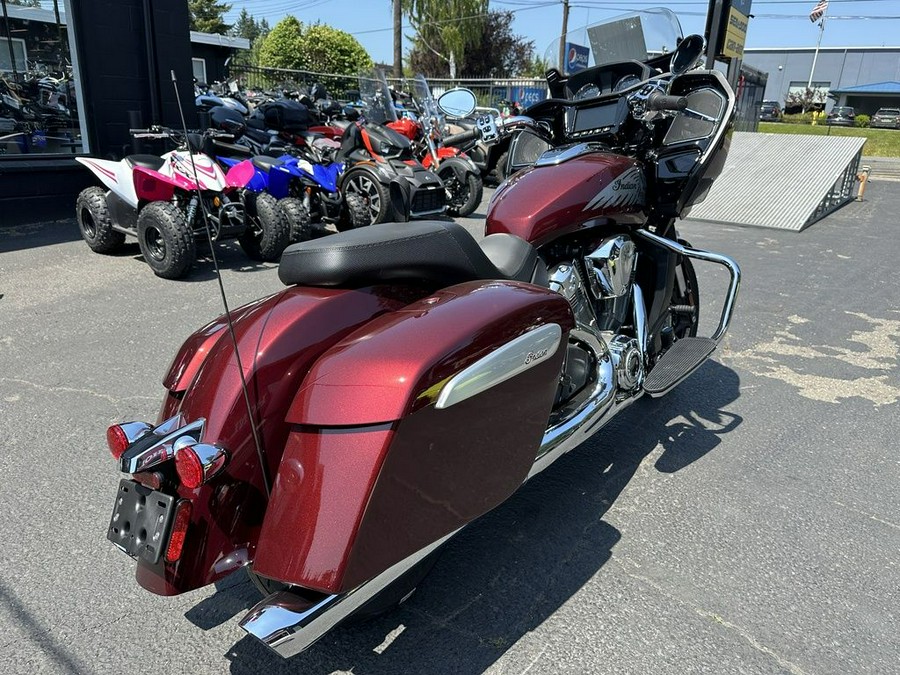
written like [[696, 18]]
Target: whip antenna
[[237, 354]]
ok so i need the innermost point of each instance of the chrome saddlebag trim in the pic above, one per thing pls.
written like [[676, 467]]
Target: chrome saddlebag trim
[[288, 631]]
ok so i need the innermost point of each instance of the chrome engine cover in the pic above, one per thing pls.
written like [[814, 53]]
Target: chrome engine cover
[[629, 362], [611, 266]]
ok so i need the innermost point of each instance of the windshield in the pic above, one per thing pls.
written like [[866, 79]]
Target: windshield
[[636, 36], [376, 97]]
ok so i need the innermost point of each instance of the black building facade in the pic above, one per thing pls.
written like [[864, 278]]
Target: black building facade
[[75, 83]]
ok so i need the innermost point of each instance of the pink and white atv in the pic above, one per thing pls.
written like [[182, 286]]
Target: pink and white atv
[[157, 200]]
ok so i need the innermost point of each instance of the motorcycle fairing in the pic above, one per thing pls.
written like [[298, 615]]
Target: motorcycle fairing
[[374, 469], [278, 338], [152, 186], [241, 174], [114, 175], [180, 168]]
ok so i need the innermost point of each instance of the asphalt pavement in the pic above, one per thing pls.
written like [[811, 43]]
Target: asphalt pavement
[[749, 522]]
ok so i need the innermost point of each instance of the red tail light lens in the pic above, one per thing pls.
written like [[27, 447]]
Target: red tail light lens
[[189, 467], [179, 531], [117, 440]]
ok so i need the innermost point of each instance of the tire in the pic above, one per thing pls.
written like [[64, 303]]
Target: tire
[[375, 196], [166, 241], [463, 194], [354, 214], [267, 233], [296, 215], [500, 173], [684, 306], [95, 223]]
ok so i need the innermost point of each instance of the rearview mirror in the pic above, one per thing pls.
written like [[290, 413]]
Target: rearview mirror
[[686, 54], [457, 102]]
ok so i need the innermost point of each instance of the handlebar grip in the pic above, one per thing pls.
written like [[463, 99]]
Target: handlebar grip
[[460, 138], [657, 101]]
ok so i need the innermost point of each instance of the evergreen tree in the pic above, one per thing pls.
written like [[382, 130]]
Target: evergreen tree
[[208, 16]]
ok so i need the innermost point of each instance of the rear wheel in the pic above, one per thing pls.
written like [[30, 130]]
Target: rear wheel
[[374, 195], [166, 241], [267, 233], [464, 190], [296, 215], [95, 222]]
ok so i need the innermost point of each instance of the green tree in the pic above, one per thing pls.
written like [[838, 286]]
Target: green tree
[[497, 52], [208, 16], [245, 26], [318, 48], [283, 46], [455, 24], [329, 50]]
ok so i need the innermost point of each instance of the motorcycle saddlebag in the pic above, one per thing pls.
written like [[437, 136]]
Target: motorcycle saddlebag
[[415, 424], [286, 115]]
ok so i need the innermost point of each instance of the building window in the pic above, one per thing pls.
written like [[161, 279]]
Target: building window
[[39, 99], [16, 47], [199, 69]]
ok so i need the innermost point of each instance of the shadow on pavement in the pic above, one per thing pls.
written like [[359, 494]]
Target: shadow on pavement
[[509, 571], [19, 237]]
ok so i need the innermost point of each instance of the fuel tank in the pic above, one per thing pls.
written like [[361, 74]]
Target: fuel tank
[[543, 202]]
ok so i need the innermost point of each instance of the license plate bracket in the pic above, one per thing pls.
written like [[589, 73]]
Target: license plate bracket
[[141, 520]]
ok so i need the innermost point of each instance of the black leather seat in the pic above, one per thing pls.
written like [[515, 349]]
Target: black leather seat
[[266, 163], [147, 161], [431, 250]]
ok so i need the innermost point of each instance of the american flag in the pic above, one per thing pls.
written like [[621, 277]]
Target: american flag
[[818, 11]]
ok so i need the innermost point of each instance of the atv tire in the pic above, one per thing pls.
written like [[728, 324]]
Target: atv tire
[[166, 241], [354, 214], [95, 223], [267, 232], [296, 215]]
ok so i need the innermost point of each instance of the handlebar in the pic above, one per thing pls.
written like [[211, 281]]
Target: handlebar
[[460, 138], [658, 101]]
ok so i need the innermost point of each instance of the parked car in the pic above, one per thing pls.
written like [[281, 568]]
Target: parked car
[[886, 118], [841, 116], [769, 111]]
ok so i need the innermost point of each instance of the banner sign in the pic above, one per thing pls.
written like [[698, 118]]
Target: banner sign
[[576, 57]]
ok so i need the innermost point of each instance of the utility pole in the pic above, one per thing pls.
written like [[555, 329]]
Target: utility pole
[[398, 40], [562, 37]]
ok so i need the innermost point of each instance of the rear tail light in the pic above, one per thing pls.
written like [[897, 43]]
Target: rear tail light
[[196, 463], [120, 436], [179, 531]]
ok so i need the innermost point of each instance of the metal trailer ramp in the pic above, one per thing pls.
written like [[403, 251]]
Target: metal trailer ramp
[[782, 181]]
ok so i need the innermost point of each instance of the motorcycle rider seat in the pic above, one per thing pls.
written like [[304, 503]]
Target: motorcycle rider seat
[[435, 251], [146, 161], [266, 163]]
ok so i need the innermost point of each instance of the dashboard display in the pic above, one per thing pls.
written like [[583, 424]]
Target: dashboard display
[[597, 117]]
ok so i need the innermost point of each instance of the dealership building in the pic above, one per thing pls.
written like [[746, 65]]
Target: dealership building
[[867, 78]]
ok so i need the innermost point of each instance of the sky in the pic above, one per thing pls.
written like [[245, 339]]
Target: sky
[[775, 23]]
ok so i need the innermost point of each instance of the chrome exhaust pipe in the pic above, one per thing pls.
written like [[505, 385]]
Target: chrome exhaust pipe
[[288, 623]]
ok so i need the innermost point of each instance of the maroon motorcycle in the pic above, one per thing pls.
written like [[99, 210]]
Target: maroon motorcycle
[[331, 437]]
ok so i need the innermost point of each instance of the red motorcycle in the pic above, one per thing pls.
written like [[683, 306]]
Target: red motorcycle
[[461, 178], [331, 437]]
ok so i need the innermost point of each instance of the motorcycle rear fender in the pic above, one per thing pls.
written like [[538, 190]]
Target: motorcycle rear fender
[[377, 465], [279, 338]]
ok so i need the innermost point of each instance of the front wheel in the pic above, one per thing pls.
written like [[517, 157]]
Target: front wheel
[[296, 215], [166, 241], [375, 196], [464, 189], [684, 306], [267, 233]]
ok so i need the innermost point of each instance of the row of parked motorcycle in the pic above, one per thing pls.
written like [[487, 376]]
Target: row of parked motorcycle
[[273, 172]]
